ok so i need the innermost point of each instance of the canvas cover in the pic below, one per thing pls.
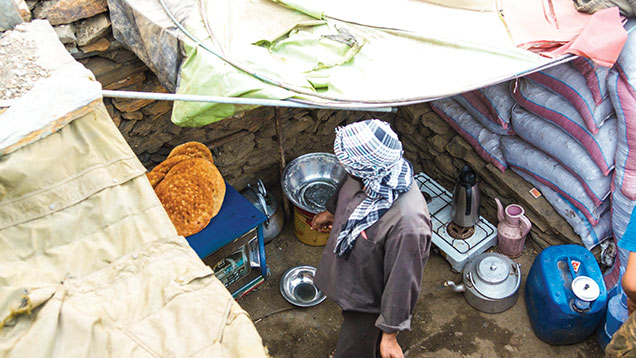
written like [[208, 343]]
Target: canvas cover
[[347, 54], [338, 53], [90, 263]]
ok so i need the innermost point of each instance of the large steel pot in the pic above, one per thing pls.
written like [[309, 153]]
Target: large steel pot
[[267, 204], [308, 182], [491, 282]]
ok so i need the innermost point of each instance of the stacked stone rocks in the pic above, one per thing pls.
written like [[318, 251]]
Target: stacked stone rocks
[[84, 27]]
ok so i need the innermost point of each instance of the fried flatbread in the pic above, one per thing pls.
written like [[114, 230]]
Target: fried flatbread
[[154, 178], [202, 168], [218, 187], [188, 202], [156, 175], [189, 186], [192, 150]]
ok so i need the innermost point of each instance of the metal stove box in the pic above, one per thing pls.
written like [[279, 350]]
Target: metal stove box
[[457, 251], [232, 262], [232, 244]]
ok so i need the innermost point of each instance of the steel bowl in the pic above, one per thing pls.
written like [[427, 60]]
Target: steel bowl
[[309, 180], [297, 287]]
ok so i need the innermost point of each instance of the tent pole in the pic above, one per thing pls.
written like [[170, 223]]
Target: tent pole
[[281, 152], [244, 101]]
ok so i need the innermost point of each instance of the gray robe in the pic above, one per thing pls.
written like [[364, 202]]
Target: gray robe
[[383, 272]]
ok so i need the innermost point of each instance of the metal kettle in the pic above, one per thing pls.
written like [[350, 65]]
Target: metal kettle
[[491, 282], [266, 203], [465, 205]]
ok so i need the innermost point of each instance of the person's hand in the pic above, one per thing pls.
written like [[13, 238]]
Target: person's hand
[[322, 221], [389, 346]]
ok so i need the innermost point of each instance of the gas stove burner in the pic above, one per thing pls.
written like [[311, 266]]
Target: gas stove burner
[[457, 244], [427, 197], [459, 232]]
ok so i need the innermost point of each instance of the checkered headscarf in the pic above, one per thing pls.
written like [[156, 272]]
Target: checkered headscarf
[[371, 151]]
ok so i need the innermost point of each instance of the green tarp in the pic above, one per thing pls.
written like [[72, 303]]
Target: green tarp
[[354, 52]]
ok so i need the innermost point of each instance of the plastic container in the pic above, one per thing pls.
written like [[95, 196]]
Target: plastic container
[[615, 317], [512, 229], [565, 294], [616, 312]]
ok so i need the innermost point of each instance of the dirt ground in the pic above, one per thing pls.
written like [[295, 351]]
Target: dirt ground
[[443, 325]]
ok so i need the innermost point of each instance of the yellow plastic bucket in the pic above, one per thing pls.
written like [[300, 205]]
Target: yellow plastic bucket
[[303, 231]]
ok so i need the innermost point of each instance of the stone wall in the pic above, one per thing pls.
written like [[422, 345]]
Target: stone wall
[[245, 146]]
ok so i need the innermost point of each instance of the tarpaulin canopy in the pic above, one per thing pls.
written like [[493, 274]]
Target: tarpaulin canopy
[[365, 53]]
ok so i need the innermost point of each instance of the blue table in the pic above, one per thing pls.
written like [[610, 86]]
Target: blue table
[[236, 218]]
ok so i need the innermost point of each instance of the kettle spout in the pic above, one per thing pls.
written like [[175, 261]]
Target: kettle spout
[[455, 287], [500, 210]]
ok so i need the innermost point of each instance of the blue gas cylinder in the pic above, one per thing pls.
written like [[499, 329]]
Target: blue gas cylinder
[[565, 294]]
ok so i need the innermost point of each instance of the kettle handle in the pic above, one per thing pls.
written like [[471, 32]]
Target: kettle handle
[[469, 194], [260, 193], [527, 225], [261, 198], [261, 187]]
